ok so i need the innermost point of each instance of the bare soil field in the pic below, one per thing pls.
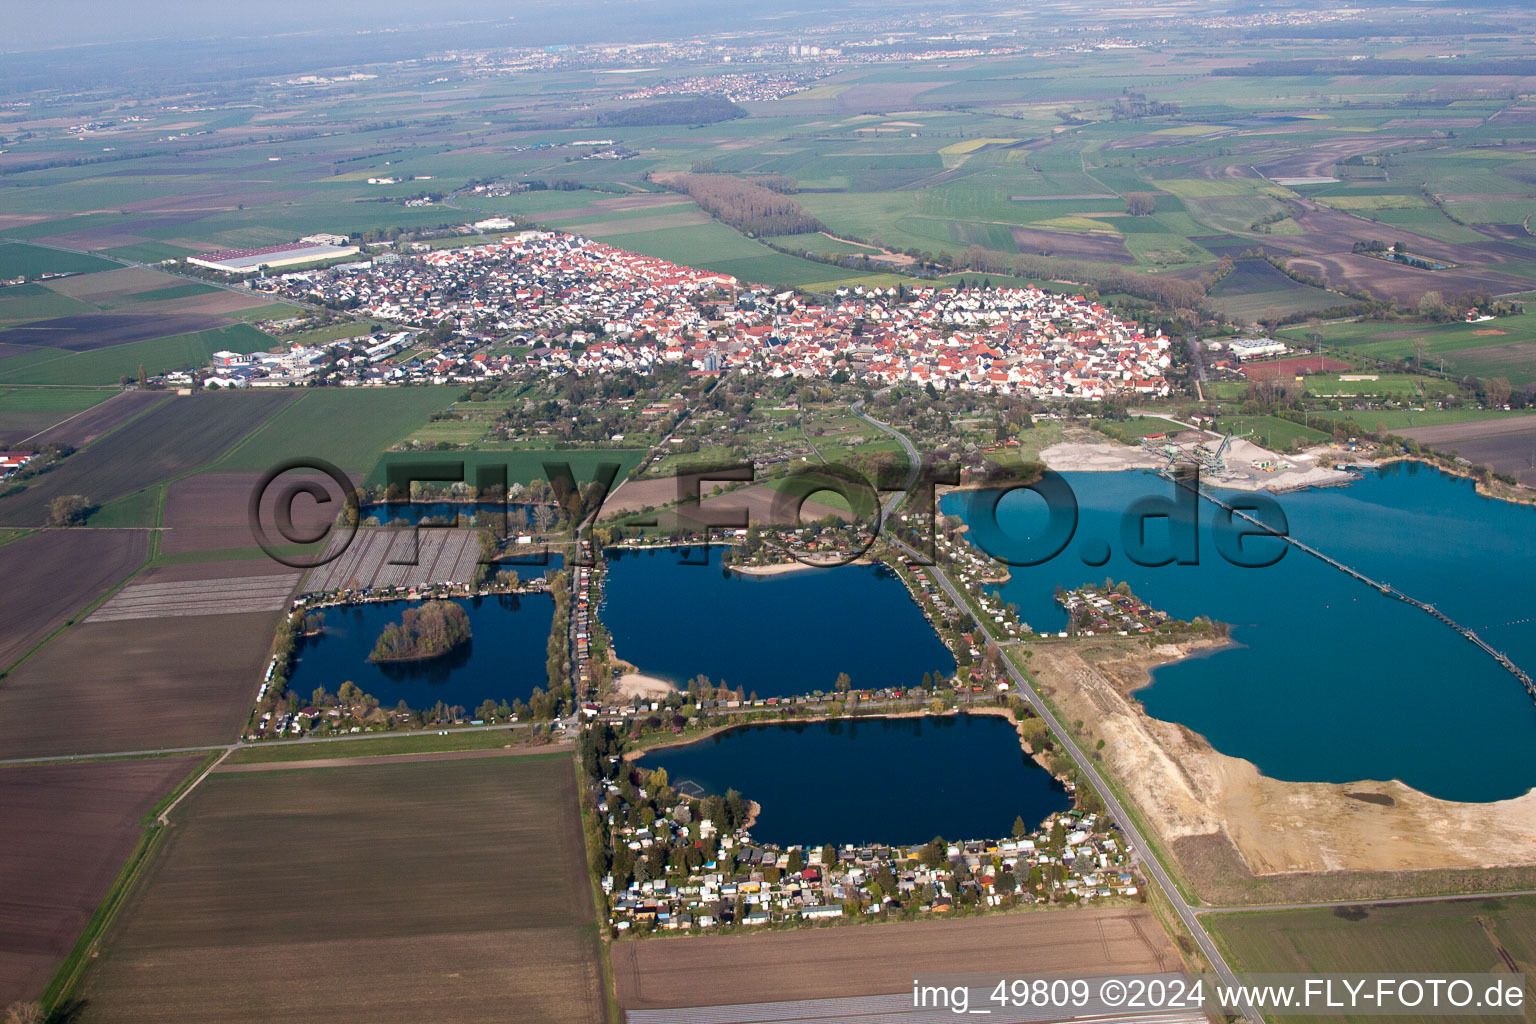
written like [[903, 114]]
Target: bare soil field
[[210, 303], [443, 890], [863, 960], [111, 283], [176, 437], [1081, 245], [1288, 368], [53, 574], [224, 595], [69, 829], [136, 685], [1397, 282], [1506, 446], [87, 331], [1299, 839], [211, 511], [79, 431]]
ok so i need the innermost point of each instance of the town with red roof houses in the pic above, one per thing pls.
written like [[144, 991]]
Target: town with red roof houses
[[577, 306]]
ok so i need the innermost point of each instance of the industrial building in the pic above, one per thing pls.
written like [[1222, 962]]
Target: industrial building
[[246, 261]]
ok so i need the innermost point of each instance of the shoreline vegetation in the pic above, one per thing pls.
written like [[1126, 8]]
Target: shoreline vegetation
[[435, 629]]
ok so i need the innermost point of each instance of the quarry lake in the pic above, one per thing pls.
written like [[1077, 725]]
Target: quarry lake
[[504, 659], [1328, 679], [775, 635], [872, 780]]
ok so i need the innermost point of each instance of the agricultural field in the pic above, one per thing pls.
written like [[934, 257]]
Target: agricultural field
[[1256, 291], [26, 412], [111, 365], [33, 261], [1473, 935], [1505, 347], [81, 429], [204, 933], [179, 436], [137, 684], [349, 427], [1271, 432], [39, 598], [878, 959], [1132, 430], [69, 828]]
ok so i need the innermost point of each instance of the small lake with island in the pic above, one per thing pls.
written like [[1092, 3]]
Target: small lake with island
[[503, 659], [1328, 680], [775, 635], [872, 780]]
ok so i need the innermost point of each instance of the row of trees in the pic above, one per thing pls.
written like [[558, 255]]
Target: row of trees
[[750, 207]]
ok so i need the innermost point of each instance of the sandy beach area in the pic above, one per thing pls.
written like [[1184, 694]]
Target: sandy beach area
[[1189, 792], [776, 569], [1308, 468]]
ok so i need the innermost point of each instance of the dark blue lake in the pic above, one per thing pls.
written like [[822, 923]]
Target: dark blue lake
[[504, 659], [873, 780], [776, 635], [1330, 680]]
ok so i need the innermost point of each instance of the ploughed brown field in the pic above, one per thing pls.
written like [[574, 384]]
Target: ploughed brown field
[[1506, 446], [176, 437], [1087, 245], [52, 575], [866, 960], [405, 892], [69, 828], [78, 431], [211, 511], [136, 684]]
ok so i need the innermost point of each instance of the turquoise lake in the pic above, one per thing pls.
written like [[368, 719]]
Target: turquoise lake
[[873, 780], [1328, 679], [776, 635]]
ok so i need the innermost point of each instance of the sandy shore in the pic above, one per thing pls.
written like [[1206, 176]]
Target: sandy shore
[[776, 569], [1309, 469], [636, 684], [1187, 789]]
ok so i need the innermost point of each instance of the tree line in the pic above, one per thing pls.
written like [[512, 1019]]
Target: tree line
[[748, 206]]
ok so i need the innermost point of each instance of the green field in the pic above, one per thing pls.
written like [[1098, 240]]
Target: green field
[[457, 739], [1132, 430], [1398, 419], [52, 399], [1271, 431], [1396, 385], [351, 428], [1386, 339], [110, 365], [21, 303], [1471, 936], [17, 259]]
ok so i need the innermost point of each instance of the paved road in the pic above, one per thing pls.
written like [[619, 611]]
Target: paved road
[[1122, 818]]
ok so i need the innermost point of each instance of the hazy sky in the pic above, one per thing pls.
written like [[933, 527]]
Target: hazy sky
[[30, 24], [36, 24]]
